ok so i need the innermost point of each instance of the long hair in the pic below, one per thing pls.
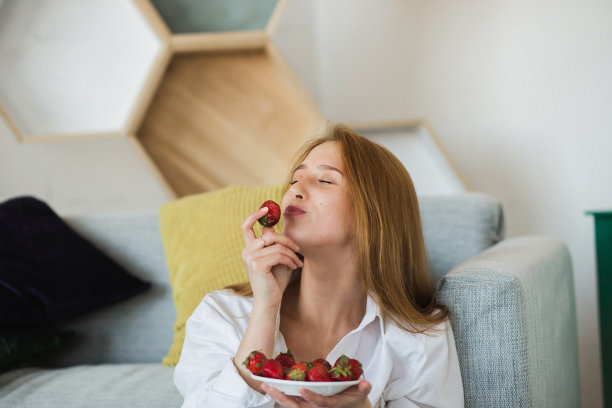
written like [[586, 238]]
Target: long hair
[[388, 234]]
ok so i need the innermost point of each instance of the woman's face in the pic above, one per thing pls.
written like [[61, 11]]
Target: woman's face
[[315, 208]]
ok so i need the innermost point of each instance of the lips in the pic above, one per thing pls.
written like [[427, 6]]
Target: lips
[[292, 210]]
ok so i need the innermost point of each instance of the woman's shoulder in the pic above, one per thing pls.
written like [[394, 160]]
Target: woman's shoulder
[[225, 303], [419, 339]]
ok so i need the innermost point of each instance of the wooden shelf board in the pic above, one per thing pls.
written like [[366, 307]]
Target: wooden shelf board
[[227, 118]]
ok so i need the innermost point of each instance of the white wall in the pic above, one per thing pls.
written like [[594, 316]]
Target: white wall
[[87, 176], [519, 93]]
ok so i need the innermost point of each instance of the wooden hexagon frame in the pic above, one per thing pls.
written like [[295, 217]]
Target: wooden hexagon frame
[[137, 109], [212, 45], [206, 134]]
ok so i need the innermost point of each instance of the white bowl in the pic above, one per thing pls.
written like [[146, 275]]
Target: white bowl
[[320, 387]]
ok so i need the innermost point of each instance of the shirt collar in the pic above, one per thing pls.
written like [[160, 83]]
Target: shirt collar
[[372, 311]]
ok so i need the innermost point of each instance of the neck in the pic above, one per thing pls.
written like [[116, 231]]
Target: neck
[[329, 296]]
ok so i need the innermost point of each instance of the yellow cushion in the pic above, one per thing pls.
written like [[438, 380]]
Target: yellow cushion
[[203, 244]]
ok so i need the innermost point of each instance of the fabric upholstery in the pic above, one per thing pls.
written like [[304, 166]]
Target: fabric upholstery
[[50, 274], [512, 310], [95, 386], [203, 244], [513, 314], [139, 329], [458, 227]]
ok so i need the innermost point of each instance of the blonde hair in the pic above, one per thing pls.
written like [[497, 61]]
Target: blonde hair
[[388, 235]]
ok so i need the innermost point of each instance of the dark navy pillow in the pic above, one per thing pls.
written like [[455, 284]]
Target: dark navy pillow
[[48, 273]]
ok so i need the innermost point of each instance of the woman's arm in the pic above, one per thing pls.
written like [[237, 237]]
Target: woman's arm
[[206, 375], [269, 261], [258, 336]]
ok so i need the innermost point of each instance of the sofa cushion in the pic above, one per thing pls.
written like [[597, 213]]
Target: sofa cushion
[[48, 273], [203, 243], [458, 227], [104, 386], [138, 330]]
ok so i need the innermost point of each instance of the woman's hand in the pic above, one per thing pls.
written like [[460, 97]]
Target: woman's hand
[[269, 261], [353, 397]]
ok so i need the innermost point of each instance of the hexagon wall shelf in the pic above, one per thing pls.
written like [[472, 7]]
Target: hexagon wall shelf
[[198, 25], [61, 57], [229, 109], [418, 148], [227, 118]]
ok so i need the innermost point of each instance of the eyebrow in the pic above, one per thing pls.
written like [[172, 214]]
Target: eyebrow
[[320, 166]]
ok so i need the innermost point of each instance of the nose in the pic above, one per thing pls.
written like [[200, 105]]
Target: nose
[[297, 191]]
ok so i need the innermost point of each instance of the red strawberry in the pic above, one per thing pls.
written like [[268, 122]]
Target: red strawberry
[[272, 369], [297, 372], [308, 363], [286, 359], [273, 215], [356, 369], [322, 362], [254, 361], [318, 373], [341, 370]]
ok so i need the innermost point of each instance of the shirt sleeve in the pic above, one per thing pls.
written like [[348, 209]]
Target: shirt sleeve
[[432, 378], [205, 374]]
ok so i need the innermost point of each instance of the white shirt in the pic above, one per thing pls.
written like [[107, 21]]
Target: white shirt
[[405, 369]]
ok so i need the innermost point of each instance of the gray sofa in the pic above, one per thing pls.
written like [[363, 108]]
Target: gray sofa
[[511, 302]]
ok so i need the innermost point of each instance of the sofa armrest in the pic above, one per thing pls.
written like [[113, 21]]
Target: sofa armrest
[[513, 314]]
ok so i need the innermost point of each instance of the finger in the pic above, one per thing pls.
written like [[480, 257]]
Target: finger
[[352, 395], [272, 237], [280, 397], [268, 261], [247, 226], [364, 387], [278, 248], [314, 398]]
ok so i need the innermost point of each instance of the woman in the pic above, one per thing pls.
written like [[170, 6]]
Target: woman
[[360, 287]]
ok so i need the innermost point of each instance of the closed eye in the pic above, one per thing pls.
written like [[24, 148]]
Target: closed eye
[[325, 181]]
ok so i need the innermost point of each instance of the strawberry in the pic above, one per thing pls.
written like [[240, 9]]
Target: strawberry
[[341, 370], [272, 369], [254, 361], [356, 369], [322, 362], [273, 215], [318, 373], [286, 359], [297, 372]]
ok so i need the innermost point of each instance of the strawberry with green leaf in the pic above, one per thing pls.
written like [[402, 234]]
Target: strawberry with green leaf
[[297, 372], [341, 371], [254, 361], [273, 216]]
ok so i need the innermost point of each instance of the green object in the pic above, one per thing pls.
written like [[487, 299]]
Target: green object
[[603, 247], [24, 347]]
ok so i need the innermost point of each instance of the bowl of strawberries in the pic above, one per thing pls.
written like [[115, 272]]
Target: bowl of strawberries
[[318, 376]]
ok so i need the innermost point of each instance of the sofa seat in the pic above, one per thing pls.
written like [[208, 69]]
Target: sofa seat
[[105, 385]]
